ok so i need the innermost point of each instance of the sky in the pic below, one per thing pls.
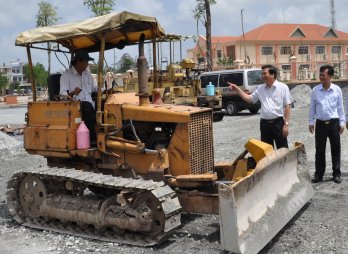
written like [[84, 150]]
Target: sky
[[175, 16]]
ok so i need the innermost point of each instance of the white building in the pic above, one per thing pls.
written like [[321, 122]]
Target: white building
[[14, 72]]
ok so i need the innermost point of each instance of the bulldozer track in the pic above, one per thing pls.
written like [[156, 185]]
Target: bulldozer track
[[169, 207]]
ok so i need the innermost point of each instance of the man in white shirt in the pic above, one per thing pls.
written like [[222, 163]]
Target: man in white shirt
[[326, 106], [275, 101], [77, 82]]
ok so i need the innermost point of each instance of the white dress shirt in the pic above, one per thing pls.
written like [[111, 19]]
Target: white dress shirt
[[71, 79], [273, 99]]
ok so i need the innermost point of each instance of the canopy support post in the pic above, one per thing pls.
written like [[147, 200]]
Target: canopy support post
[[31, 70], [100, 79]]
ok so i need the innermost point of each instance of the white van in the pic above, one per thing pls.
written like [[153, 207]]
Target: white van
[[247, 79]]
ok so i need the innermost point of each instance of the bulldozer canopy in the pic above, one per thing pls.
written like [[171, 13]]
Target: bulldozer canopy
[[120, 29]]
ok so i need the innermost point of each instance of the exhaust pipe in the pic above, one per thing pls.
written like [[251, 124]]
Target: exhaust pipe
[[142, 75]]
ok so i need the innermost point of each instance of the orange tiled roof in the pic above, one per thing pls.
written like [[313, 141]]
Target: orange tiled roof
[[279, 32], [221, 39]]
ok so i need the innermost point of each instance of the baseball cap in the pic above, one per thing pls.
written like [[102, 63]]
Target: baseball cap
[[82, 54]]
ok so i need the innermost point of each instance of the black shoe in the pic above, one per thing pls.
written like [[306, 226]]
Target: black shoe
[[337, 179], [317, 179]]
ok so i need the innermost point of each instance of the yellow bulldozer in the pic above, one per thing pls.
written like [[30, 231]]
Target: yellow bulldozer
[[151, 162]]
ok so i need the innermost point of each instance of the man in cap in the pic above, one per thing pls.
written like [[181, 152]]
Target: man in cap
[[77, 82]]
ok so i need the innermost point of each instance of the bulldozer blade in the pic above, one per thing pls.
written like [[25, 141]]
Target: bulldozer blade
[[254, 209]]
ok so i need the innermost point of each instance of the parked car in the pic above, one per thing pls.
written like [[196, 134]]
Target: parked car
[[247, 79]]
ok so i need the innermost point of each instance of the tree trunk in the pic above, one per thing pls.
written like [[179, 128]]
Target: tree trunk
[[208, 34]]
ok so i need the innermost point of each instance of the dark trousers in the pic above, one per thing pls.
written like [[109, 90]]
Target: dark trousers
[[323, 130], [88, 116], [272, 131]]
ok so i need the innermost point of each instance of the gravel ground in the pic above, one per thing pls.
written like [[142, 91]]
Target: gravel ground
[[320, 227]]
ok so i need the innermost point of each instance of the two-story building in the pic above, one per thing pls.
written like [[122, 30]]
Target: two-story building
[[298, 50], [14, 73]]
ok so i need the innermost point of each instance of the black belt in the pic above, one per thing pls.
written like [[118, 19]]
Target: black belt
[[327, 121], [272, 120]]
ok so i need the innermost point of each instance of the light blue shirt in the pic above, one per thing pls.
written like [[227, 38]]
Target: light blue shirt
[[273, 99], [326, 104]]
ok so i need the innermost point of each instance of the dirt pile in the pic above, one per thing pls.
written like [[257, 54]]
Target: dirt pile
[[301, 95], [7, 142], [8, 146]]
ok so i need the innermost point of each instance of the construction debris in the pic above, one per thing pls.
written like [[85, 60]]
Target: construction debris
[[12, 129]]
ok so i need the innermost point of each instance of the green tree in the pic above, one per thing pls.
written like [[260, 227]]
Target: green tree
[[47, 16], [3, 83], [99, 7], [40, 74], [93, 68], [202, 13], [14, 87]]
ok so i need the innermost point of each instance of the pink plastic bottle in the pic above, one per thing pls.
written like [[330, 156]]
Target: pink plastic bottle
[[82, 136]]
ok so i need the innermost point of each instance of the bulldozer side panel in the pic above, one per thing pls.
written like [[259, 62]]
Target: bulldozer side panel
[[154, 164], [60, 137], [147, 163], [35, 138], [179, 151], [52, 126], [157, 113], [198, 202]]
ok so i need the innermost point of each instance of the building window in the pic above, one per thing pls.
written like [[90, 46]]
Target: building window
[[336, 49], [286, 67], [219, 53], [285, 50], [231, 52], [267, 51], [303, 50], [304, 66], [320, 50]]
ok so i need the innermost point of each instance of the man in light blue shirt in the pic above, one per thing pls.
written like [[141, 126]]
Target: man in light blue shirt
[[326, 106]]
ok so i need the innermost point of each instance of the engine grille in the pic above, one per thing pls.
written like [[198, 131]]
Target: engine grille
[[201, 143]]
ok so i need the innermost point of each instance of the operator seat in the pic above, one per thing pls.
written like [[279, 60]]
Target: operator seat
[[53, 82]]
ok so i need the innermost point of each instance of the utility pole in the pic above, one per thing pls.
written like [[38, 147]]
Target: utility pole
[[150, 56], [283, 16], [332, 11], [245, 53], [114, 69]]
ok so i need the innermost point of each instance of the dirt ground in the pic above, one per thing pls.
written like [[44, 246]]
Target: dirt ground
[[320, 227]]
